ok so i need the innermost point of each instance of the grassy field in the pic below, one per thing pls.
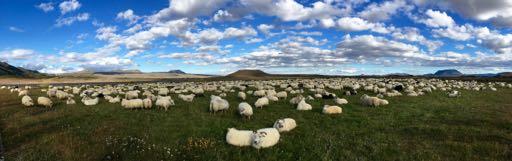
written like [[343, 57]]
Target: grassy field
[[476, 126]]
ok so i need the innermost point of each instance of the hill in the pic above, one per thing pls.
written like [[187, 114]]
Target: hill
[[248, 74], [115, 72], [504, 74], [9, 70], [448, 73], [176, 71]]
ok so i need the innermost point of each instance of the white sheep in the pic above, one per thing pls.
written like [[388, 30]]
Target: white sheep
[[282, 94], [70, 101], [23, 93], [272, 98], [285, 125], [27, 101], [264, 138], [218, 104], [340, 101], [373, 101], [187, 98], [164, 102], [263, 101], [245, 109], [90, 101], [259, 93], [163, 91], [132, 104], [45, 101], [303, 106], [115, 100], [453, 94], [61, 95], [147, 103], [331, 109], [239, 137], [132, 95], [242, 95], [296, 100]]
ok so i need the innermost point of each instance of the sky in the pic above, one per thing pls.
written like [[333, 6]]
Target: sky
[[333, 37]]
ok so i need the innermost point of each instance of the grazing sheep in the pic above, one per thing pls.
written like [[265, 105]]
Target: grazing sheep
[[131, 95], [23, 93], [340, 101], [163, 91], [453, 94], [263, 101], [259, 93], [245, 109], [331, 109], [295, 100], [89, 101], [61, 95], [187, 98], [373, 101], [282, 94], [303, 106], [218, 104], [164, 102], [239, 137], [132, 104], [70, 101], [285, 125], [264, 138], [44, 101], [115, 100], [272, 98], [242, 95], [147, 103], [27, 101]]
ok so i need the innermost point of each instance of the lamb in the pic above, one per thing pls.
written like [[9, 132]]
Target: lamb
[[373, 101], [218, 104], [27, 101], [331, 109], [265, 138], [263, 101], [147, 103], [239, 138], [340, 101], [164, 102], [89, 101], [245, 109], [70, 101], [303, 106], [285, 125], [187, 98], [44, 101], [242, 95], [132, 104]]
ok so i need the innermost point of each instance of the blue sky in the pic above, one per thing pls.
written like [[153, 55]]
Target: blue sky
[[345, 37]]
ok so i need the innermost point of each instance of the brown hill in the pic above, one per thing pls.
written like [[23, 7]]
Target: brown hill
[[505, 74]]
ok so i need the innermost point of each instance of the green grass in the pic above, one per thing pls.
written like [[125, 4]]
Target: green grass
[[476, 126]]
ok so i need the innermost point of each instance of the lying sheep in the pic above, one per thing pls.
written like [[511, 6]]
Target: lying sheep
[[331, 109], [340, 101], [44, 101], [373, 101], [296, 100], [245, 109], [218, 104], [27, 101], [239, 137], [285, 125], [23, 93], [453, 94], [264, 138], [90, 101], [272, 98], [147, 103], [242, 95], [187, 98], [132, 104], [115, 100], [303, 106], [263, 101]]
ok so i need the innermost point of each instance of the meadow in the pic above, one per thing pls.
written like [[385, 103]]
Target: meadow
[[475, 126]]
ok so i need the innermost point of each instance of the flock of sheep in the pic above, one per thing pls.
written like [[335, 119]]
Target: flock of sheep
[[147, 95]]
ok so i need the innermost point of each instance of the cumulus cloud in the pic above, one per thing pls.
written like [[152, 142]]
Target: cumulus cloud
[[290, 10], [128, 15], [381, 12], [438, 19], [187, 8], [46, 7], [68, 6], [105, 64], [67, 21], [17, 54]]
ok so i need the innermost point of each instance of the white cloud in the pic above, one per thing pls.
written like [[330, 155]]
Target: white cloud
[[438, 19], [15, 29], [68, 6], [353, 24], [107, 64], [187, 8], [66, 21], [290, 10], [381, 12], [17, 54], [265, 29], [46, 7], [128, 15]]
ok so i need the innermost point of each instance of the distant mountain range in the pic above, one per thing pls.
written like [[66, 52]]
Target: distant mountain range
[[9, 70], [176, 71]]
